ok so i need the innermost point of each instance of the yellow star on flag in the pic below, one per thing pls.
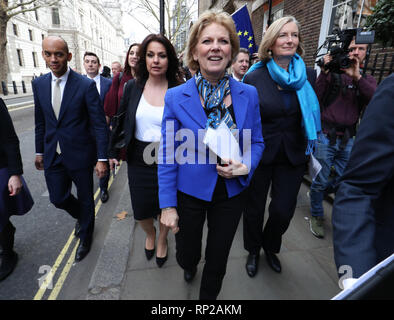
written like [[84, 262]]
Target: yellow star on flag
[[250, 45], [246, 33], [239, 33], [250, 38]]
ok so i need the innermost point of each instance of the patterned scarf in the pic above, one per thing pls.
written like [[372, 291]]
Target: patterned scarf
[[213, 97]]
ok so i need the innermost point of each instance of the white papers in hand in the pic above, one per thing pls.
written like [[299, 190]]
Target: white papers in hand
[[222, 142], [314, 167]]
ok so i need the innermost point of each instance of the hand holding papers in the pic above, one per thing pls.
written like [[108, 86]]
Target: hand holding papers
[[223, 143]]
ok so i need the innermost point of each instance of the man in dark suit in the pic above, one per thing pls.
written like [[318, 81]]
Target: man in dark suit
[[71, 137], [363, 212], [91, 63]]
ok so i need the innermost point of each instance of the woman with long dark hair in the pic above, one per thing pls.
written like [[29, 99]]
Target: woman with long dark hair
[[143, 101], [112, 99]]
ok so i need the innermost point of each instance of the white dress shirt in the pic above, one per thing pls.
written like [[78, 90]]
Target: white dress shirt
[[97, 80], [62, 84]]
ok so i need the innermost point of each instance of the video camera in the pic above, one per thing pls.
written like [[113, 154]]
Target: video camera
[[337, 46]]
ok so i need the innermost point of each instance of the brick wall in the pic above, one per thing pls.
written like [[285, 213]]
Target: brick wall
[[309, 14], [257, 18]]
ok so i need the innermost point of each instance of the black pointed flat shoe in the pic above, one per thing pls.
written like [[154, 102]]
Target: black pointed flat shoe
[[273, 261]]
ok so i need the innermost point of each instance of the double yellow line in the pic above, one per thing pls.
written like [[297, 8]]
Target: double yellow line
[[66, 269]]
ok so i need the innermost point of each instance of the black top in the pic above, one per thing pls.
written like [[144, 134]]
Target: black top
[[281, 118], [9, 143]]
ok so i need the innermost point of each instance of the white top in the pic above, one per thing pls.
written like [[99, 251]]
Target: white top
[[97, 80], [148, 121]]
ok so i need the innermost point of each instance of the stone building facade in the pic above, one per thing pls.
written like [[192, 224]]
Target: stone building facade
[[86, 26]]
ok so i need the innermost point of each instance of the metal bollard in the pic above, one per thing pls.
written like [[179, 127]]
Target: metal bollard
[[15, 88], [4, 88], [23, 87]]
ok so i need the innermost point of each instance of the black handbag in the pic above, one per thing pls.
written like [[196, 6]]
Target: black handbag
[[117, 137]]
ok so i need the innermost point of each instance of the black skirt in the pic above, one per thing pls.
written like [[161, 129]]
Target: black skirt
[[143, 181]]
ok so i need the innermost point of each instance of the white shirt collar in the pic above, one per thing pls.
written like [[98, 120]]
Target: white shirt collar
[[64, 77], [235, 77], [96, 78]]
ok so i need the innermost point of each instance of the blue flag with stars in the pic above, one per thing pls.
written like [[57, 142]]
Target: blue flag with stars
[[244, 29]]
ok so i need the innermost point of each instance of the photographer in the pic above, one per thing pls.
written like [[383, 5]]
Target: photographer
[[343, 94]]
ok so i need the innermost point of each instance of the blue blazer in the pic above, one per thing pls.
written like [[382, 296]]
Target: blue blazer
[[80, 114], [363, 211], [183, 110], [105, 84]]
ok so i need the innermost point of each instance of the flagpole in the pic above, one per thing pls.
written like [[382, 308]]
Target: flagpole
[[240, 9], [269, 13]]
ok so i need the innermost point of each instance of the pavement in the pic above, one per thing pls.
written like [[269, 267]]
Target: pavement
[[123, 273], [17, 100]]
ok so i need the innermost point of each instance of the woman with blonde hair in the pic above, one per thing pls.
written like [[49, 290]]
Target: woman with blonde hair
[[194, 191], [290, 117]]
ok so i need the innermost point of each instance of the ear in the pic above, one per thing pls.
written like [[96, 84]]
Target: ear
[[195, 55], [69, 56]]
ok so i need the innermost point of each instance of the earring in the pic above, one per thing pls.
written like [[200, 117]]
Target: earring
[[270, 52]]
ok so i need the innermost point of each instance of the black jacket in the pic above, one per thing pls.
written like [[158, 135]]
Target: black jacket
[[9, 143], [363, 211], [279, 124]]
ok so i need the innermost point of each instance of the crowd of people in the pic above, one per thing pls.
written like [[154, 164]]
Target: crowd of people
[[152, 113]]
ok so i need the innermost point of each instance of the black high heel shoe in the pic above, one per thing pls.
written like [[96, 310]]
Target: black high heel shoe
[[162, 260], [150, 252]]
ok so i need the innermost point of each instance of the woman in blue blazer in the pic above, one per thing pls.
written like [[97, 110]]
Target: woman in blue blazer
[[290, 117], [191, 187]]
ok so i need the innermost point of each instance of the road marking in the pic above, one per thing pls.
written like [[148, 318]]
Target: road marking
[[63, 275], [21, 108]]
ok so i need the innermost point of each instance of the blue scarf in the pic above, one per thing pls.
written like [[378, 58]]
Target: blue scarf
[[213, 97], [296, 79]]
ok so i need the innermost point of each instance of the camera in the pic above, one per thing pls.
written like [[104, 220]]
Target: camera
[[337, 46]]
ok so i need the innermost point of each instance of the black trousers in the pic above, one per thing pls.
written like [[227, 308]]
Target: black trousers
[[223, 215], [285, 181]]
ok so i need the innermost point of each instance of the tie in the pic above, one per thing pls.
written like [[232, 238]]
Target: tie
[[57, 100]]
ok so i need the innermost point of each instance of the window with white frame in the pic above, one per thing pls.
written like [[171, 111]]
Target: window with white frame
[[350, 14], [276, 13]]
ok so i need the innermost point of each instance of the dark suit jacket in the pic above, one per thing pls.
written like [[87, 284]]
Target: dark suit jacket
[[363, 212], [10, 156], [80, 113], [279, 124], [105, 84], [131, 98]]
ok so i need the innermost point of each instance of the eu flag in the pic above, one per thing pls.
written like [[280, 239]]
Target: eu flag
[[244, 29]]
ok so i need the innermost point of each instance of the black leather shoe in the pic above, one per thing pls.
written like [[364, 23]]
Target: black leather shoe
[[161, 260], [77, 229], [273, 261], [8, 264], [82, 250], [188, 275], [252, 264], [104, 196]]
